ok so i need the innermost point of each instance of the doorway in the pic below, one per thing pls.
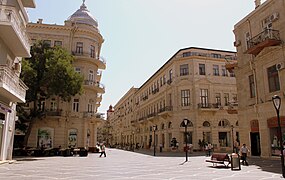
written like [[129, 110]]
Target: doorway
[[255, 144]]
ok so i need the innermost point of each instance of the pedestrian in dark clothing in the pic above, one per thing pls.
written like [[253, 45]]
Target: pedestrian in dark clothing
[[102, 150]]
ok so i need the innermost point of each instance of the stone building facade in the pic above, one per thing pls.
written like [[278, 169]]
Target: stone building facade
[[193, 84], [74, 123], [14, 44], [260, 75]]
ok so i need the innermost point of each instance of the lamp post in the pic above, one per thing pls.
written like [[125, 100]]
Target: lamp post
[[154, 143], [133, 141], [185, 123], [232, 126], [277, 103]]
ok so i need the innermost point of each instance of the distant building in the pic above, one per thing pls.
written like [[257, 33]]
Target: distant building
[[74, 123], [14, 45], [260, 75], [193, 84]]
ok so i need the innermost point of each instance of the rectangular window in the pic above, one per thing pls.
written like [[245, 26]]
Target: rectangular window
[[164, 79], [185, 97], [226, 98], [75, 106], [273, 79], [216, 55], [90, 108], [47, 42], [92, 51], [58, 43], [216, 70], [223, 139], [78, 70], [79, 47], [218, 99], [204, 98], [251, 86], [170, 75], [53, 105], [202, 69], [184, 70], [224, 71]]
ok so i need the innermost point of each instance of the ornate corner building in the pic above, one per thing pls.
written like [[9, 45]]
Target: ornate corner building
[[260, 74], [74, 123], [193, 84], [14, 44]]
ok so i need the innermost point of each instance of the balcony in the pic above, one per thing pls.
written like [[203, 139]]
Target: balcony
[[231, 66], [13, 31], [209, 106], [11, 86], [53, 112], [89, 114], [100, 62], [268, 37], [97, 86]]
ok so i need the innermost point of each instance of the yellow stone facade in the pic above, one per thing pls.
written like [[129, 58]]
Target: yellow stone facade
[[74, 123], [260, 75], [193, 84]]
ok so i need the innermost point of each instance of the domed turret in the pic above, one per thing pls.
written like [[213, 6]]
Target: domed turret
[[83, 16]]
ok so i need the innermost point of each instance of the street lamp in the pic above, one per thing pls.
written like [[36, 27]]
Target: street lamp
[[232, 126], [133, 141], [154, 143], [277, 103], [185, 123]]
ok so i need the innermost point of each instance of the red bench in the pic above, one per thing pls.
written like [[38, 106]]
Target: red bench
[[220, 158]]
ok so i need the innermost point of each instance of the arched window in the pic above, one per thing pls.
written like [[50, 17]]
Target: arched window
[[169, 125], [237, 123], [206, 124], [190, 124], [224, 123]]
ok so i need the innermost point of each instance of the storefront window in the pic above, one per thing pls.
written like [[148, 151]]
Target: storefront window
[[72, 138], [275, 141], [45, 137]]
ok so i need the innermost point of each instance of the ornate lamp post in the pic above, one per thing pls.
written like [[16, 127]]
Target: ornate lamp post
[[232, 126], [154, 143], [133, 140], [185, 123], [277, 103]]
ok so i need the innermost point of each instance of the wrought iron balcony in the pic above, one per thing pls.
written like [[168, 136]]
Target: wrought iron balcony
[[97, 85], [53, 112], [209, 106], [11, 85], [268, 37]]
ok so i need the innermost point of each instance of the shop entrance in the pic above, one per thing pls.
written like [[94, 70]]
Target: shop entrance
[[255, 144]]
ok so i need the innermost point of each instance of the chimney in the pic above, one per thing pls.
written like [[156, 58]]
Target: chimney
[[40, 21], [257, 3]]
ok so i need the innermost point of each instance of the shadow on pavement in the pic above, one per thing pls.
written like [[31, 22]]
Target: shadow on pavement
[[28, 159], [269, 165]]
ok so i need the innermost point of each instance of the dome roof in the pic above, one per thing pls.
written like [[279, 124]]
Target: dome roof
[[83, 16]]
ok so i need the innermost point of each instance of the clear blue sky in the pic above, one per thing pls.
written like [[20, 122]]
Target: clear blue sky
[[141, 35]]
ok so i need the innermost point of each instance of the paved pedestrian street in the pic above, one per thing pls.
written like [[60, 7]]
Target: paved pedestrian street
[[142, 165]]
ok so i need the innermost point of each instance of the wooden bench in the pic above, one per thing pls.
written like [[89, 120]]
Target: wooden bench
[[220, 158]]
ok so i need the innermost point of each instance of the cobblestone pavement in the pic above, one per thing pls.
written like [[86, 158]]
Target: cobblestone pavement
[[142, 165]]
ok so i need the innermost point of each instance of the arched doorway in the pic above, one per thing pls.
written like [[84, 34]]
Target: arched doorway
[[255, 138]]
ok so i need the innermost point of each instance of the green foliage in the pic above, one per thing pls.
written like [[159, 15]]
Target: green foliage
[[48, 72]]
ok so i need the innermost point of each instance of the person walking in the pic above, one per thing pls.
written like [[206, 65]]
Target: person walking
[[244, 150], [102, 150], [209, 149]]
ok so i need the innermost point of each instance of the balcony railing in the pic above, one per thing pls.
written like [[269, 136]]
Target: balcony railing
[[53, 112], [11, 17], [94, 83], [92, 114], [89, 55], [209, 105], [268, 37], [164, 109], [13, 83]]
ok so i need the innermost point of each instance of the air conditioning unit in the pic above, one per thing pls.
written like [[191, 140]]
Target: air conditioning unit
[[279, 66], [274, 17]]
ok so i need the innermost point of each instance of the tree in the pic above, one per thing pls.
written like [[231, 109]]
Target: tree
[[49, 72]]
